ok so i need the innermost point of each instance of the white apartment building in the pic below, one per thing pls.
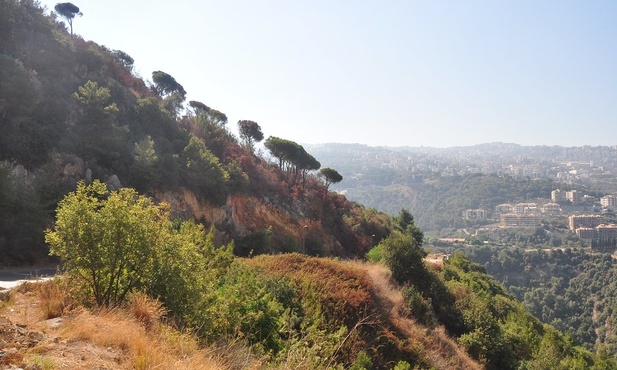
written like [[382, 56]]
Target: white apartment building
[[606, 233], [551, 208], [525, 208], [609, 201], [586, 233], [474, 214], [578, 221], [558, 195], [519, 220], [574, 196]]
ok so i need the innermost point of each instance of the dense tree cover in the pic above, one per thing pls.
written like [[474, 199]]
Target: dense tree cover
[[570, 289], [492, 325], [440, 205]]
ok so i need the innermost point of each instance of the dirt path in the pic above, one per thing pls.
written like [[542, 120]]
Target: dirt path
[[443, 351], [11, 277]]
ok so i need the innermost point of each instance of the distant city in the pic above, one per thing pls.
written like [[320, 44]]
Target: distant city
[[587, 214]]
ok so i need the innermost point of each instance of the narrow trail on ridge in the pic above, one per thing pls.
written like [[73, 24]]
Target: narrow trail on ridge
[[443, 352]]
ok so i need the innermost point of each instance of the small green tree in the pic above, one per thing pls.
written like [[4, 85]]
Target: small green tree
[[167, 85], [108, 240], [330, 176], [250, 132], [405, 223], [402, 254], [68, 11], [205, 171], [186, 271]]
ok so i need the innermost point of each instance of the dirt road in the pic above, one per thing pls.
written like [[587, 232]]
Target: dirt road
[[12, 277]]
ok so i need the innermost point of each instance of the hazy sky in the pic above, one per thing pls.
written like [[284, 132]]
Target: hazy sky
[[418, 73]]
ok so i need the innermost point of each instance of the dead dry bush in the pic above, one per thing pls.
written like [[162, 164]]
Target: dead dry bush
[[145, 310], [55, 298]]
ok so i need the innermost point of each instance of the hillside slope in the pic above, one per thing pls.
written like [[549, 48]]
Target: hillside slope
[[385, 329], [72, 110]]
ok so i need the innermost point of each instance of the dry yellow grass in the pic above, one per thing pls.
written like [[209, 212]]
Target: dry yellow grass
[[145, 310], [121, 338], [165, 349]]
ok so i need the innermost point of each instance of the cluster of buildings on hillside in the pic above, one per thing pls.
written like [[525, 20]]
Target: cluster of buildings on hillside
[[573, 196], [515, 215], [588, 227], [592, 228]]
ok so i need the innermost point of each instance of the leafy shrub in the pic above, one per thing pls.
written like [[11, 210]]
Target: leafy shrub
[[403, 256], [205, 171], [362, 362], [375, 254], [108, 239], [242, 306], [187, 268], [419, 306]]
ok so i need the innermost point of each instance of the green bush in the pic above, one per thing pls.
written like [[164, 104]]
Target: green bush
[[362, 362], [243, 306], [420, 308], [108, 240], [375, 254], [404, 257]]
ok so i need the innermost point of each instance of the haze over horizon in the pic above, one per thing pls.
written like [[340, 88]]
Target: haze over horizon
[[394, 73]]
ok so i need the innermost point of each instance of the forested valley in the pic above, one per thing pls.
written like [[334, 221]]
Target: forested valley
[[571, 289]]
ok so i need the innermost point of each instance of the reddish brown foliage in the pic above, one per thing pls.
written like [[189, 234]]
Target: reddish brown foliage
[[346, 296], [343, 290]]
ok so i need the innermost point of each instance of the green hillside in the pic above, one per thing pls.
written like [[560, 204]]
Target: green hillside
[[73, 110]]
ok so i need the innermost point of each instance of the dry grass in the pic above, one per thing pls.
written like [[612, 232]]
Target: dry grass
[[145, 310], [442, 351], [55, 299], [132, 337], [117, 328]]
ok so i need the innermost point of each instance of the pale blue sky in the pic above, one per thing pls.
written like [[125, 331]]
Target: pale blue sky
[[418, 73]]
